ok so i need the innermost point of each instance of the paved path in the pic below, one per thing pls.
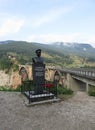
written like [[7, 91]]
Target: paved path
[[77, 113]]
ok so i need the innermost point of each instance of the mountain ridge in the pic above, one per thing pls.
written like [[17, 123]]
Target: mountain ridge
[[72, 44], [68, 44], [81, 49], [54, 54]]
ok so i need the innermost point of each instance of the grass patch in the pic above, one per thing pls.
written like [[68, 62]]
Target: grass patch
[[64, 90], [92, 94], [63, 93], [6, 89], [65, 97], [91, 91], [61, 90]]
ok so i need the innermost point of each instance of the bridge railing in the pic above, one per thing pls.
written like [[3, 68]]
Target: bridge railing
[[82, 72], [85, 72]]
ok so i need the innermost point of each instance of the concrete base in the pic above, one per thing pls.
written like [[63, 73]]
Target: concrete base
[[42, 102], [37, 98]]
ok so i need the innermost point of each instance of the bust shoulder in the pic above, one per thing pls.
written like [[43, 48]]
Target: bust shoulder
[[38, 59]]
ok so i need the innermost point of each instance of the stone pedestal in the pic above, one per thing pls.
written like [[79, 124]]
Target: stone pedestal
[[38, 70]]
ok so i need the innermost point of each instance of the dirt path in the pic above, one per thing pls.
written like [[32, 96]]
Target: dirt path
[[77, 113]]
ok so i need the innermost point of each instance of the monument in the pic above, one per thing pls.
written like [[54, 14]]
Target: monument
[[39, 92], [38, 70]]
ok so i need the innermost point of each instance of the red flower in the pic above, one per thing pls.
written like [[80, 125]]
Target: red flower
[[48, 85]]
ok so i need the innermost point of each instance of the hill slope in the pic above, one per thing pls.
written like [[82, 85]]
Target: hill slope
[[80, 49], [61, 54]]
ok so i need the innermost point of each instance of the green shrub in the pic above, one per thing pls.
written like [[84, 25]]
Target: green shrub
[[91, 90], [92, 94], [15, 67], [3, 88], [5, 63], [61, 90], [64, 90]]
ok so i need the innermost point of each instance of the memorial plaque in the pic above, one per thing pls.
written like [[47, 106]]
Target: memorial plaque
[[38, 71]]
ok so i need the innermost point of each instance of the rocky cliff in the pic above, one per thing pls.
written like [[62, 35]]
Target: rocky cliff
[[13, 79], [4, 79]]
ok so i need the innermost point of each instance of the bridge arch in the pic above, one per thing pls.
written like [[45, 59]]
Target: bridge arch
[[23, 73]]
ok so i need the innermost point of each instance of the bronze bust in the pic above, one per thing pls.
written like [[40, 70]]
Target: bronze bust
[[38, 59]]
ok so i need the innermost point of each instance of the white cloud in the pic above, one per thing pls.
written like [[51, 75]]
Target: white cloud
[[11, 25], [51, 15], [46, 38], [91, 40], [74, 37]]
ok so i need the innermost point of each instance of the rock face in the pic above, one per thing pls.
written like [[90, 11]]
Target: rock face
[[13, 79], [4, 79]]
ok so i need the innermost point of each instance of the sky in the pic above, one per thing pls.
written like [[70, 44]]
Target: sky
[[47, 21]]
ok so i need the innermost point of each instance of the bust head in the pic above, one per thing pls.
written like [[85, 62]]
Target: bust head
[[38, 59], [38, 52]]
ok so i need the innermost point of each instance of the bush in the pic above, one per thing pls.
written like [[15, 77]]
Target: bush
[[15, 67], [64, 90], [61, 90], [91, 91], [92, 94], [5, 63]]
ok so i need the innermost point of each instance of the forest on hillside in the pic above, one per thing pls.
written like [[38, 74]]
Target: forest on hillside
[[20, 52]]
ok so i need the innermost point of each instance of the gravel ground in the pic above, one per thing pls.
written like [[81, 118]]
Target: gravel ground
[[76, 113]]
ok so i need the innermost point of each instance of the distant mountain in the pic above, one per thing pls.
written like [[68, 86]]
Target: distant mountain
[[58, 53], [72, 45], [80, 49], [6, 42]]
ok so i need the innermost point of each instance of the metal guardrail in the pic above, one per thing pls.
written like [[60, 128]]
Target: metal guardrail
[[82, 72], [87, 73]]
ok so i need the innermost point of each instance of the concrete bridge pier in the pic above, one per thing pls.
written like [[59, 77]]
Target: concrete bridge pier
[[87, 87], [72, 83], [76, 84]]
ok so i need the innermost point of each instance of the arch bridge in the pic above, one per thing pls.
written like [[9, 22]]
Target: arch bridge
[[75, 78]]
